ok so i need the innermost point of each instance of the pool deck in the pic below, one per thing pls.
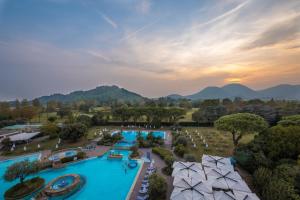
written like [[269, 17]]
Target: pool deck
[[159, 164], [98, 151]]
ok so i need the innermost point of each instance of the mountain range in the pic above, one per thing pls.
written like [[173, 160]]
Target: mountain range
[[109, 93], [284, 91]]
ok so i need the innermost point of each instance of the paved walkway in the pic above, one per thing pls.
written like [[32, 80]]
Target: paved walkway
[[159, 164]]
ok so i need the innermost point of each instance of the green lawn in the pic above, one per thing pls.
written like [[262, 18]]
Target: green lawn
[[219, 142], [45, 145], [188, 116]]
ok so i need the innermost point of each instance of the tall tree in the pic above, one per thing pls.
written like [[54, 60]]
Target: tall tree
[[21, 170], [240, 124]]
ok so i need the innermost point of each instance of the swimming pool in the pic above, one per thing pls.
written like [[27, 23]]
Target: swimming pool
[[60, 155], [105, 179], [6, 163], [130, 136], [22, 126]]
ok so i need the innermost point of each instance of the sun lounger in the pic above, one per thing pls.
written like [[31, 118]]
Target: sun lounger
[[145, 185], [143, 190], [142, 197], [145, 181]]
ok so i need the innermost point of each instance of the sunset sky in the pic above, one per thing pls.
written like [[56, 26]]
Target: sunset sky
[[152, 47]]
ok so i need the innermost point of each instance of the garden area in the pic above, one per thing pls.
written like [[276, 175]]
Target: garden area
[[218, 142]]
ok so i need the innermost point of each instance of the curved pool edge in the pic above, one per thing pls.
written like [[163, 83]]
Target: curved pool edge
[[135, 179], [39, 154]]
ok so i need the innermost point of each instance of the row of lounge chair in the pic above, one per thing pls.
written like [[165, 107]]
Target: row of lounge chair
[[143, 192]]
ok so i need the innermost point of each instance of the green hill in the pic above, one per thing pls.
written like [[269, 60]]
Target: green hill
[[100, 94]]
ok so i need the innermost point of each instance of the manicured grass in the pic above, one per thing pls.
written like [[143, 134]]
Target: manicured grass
[[219, 142], [45, 145], [188, 116]]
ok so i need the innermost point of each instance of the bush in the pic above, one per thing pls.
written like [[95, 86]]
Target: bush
[[73, 132], [261, 177], [109, 139], [180, 150], [162, 152], [189, 158], [21, 190], [278, 189], [81, 155], [135, 152], [157, 187], [50, 129], [181, 140], [84, 119], [167, 156], [67, 159]]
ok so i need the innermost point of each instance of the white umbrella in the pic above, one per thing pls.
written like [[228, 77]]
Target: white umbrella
[[56, 146], [38, 146], [217, 162], [223, 179], [188, 188], [12, 149], [59, 140], [25, 148], [245, 196], [224, 195], [14, 145], [188, 169]]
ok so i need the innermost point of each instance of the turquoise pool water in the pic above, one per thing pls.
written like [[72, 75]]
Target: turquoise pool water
[[61, 155], [129, 137], [22, 126], [105, 179], [6, 163]]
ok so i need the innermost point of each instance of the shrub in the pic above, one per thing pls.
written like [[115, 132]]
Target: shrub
[[6, 144], [261, 177], [21, 190], [189, 158], [84, 119], [167, 156], [81, 155], [162, 152], [180, 150], [73, 132], [181, 140], [278, 189], [67, 159], [157, 187], [50, 129], [135, 152]]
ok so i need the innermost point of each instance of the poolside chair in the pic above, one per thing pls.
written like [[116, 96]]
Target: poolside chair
[[145, 185], [142, 197], [143, 190], [145, 181]]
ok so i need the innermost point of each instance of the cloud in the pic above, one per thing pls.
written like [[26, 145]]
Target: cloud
[[279, 32], [135, 32], [224, 15], [108, 20], [143, 6]]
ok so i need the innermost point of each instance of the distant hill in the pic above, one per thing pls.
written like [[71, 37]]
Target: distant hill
[[100, 94], [288, 92], [175, 96]]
